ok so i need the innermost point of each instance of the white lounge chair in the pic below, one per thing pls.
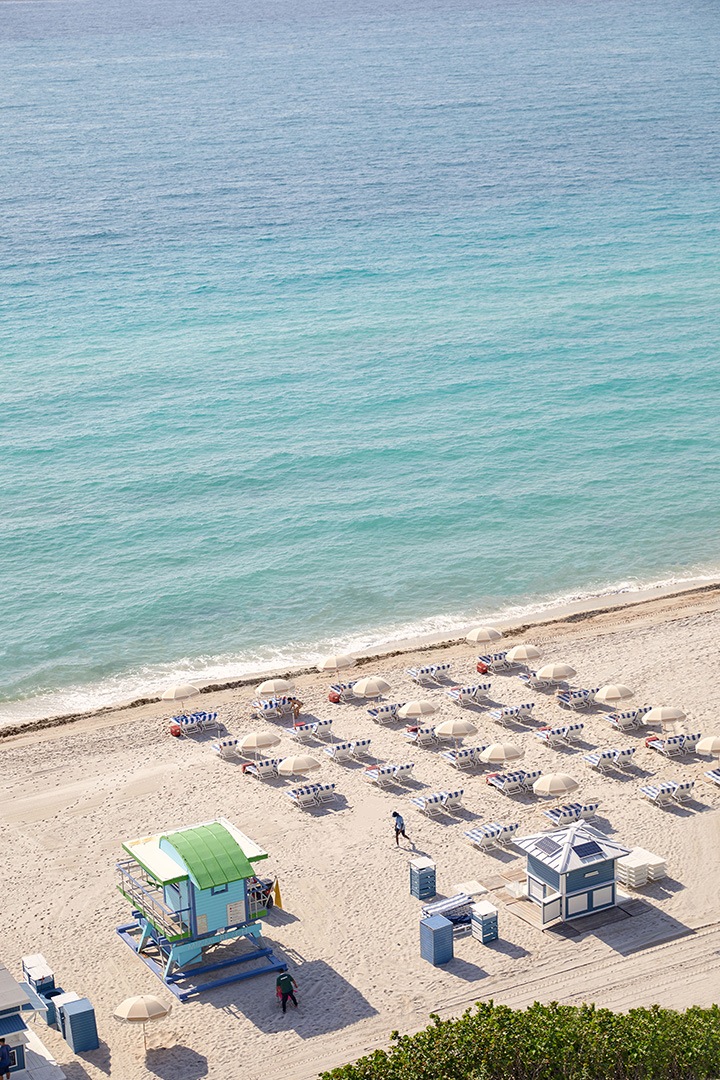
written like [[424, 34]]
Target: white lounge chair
[[468, 695], [265, 710], [682, 791], [511, 783], [690, 742], [577, 699], [380, 774], [624, 721], [226, 748], [360, 748], [452, 800], [302, 732], [267, 769], [659, 794], [322, 729], [552, 736], [344, 690], [496, 662], [467, 757], [304, 797], [573, 732], [383, 714], [424, 675], [672, 747], [341, 751], [485, 836], [507, 833], [403, 772], [429, 804], [324, 793], [624, 758], [532, 680], [600, 759], [422, 736], [563, 815], [529, 779]]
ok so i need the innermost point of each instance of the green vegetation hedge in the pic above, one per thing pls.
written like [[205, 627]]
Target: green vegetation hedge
[[551, 1042]]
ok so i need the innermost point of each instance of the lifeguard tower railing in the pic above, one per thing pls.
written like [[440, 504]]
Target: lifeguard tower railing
[[147, 896]]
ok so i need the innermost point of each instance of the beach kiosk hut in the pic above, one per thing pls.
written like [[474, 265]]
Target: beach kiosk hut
[[191, 889], [570, 871], [29, 1059]]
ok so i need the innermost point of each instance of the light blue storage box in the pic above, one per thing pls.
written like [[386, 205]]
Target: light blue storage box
[[79, 1027], [422, 878], [436, 940], [484, 921]]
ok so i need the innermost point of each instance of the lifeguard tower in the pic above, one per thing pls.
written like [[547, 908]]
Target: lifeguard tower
[[192, 889], [570, 871]]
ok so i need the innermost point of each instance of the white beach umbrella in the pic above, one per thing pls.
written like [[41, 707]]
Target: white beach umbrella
[[455, 729], [483, 634], [613, 694], [275, 686], [664, 714], [180, 692], [413, 709], [523, 652], [709, 745], [336, 662], [556, 672], [556, 784], [372, 686], [141, 1010], [258, 740], [298, 766], [501, 753]]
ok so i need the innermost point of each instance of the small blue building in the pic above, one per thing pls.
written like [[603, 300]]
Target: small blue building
[[570, 871], [191, 889], [28, 1057]]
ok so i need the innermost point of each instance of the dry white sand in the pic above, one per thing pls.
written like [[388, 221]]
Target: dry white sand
[[350, 928]]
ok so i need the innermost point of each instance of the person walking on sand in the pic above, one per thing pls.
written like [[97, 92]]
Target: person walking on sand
[[284, 986], [399, 827], [4, 1059]]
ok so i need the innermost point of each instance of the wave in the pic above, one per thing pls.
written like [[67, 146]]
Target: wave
[[149, 681]]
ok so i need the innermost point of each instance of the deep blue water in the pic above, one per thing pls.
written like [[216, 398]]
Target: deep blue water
[[321, 325]]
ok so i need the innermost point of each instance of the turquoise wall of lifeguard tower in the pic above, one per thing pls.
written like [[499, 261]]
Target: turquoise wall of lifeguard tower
[[212, 909]]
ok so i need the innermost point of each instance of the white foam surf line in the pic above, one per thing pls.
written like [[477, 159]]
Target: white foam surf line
[[149, 682]]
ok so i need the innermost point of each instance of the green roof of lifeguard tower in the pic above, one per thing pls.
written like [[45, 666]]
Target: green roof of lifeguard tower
[[212, 855]]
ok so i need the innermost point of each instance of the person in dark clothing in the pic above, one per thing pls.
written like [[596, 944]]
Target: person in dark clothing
[[399, 827], [4, 1059], [285, 984]]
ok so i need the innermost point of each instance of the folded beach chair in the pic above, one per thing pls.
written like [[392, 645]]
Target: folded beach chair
[[455, 908], [691, 741], [422, 736], [552, 736], [267, 769], [600, 759], [360, 747], [467, 695], [624, 721], [507, 833], [344, 690], [485, 836], [424, 675], [429, 804], [380, 774], [304, 797], [682, 791], [511, 783], [529, 779], [624, 758], [452, 800], [714, 775], [226, 748], [324, 792], [466, 758], [671, 747], [563, 815], [573, 732], [383, 714], [339, 751], [497, 661], [403, 772], [660, 794]]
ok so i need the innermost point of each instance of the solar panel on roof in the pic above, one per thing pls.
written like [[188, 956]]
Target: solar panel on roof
[[583, 851], [547, 845]]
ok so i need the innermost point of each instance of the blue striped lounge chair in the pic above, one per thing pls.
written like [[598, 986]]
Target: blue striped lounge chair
[[554, 736], [485, 836], [659, 794], [589, 810], [323, 729], [573, 732], [465, 758], [302, 732], [529, 779], [511, 783], [714, 776], [429, 804], [340, 751], [423, 675], [691, 741], [600, 759], [267, 769], [508, 832], [624, 757], [496, 661], [324, 792], [265, 709], [403, 772], [624, 721], [226, 748], [189, 725], [503, 715], [532, 680], [563, 815], [467, 695], [380, 774], [344, 690], [441, 670], [671, 747], [452, 800], [455, 908], [383, 714], [422, 736], [577, 699], [682, 791], [360, 748], [209, 720], [304, 797]]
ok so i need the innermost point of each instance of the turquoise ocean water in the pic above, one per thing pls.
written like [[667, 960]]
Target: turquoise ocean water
[[326, 323]]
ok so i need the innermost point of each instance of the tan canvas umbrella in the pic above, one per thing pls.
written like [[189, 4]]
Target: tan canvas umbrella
[[455, 729], [501, 754], [413, 709], [298, 766], [613, 694], [664, 714], [483, 634], [556, 784], [709, 745], [180, 692], [336, 662], [371, 686], [258, 740], [275, 686], [556, 672], [523, 652], [141, 1010]]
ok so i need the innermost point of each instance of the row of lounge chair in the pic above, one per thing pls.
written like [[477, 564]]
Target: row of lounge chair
[[675, 745], [667, 791], [439, 801], [576, 699], [628, 720], [566, 815], [610, 758], [518, 782], [466, 757], [563, 735], [496, 662], [430, 673], [384, 714], [468, 695], [348, 751], [389, 774], [312, 795], [196, 722], [318, 729], [533, 681], [267, 708], [492, 834], [519, 713]]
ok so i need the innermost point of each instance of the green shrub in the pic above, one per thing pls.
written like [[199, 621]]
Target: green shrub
[[551, 1042]]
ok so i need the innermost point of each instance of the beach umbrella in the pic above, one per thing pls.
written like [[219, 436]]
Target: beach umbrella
[[523, 652], [298, 766], [501, 753], [613, 694], [336, 662], [258, 740], [275, 686], [664, 714], [556, 784], [141, 1010], [180, 692], [556, 672], [371, 686], [483, 634], [413, 709], [709, 745], [455, 729]]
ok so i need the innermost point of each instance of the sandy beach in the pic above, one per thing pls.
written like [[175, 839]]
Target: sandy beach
[[349, 929]]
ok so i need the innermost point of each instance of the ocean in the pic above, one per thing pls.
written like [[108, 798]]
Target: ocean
[[324, 325]]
